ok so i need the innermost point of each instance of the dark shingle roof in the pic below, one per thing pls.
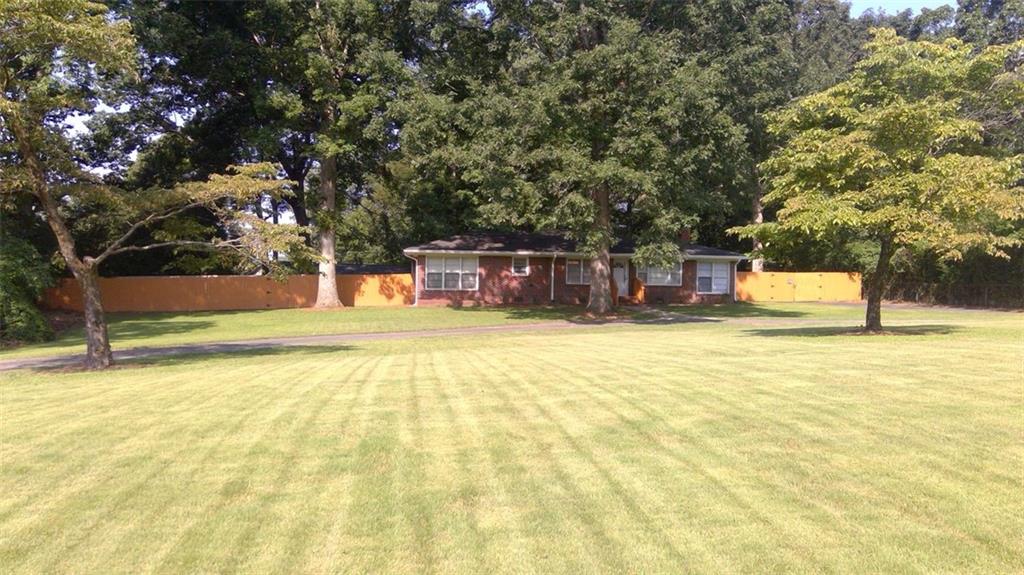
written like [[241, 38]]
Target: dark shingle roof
[[543, 243]]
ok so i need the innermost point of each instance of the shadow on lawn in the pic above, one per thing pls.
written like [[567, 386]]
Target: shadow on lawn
[[827, 331], [230, 351], [158, 357], [126, 326], [731, 310], [577, 314], [146, 327]]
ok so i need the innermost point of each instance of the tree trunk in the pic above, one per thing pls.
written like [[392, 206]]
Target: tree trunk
[[327, 282], [600, 301], [98, 354], [757, 216], [97, 343], [299, 209], [297, 171], [876, 288]]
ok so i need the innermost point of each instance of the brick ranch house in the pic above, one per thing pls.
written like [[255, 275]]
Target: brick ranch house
[[521, 268]]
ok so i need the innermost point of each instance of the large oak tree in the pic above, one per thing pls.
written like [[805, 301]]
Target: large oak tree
[[592, 120]]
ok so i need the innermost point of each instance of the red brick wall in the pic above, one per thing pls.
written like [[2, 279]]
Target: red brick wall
[[686, 293], [497, 284], [499, 287]]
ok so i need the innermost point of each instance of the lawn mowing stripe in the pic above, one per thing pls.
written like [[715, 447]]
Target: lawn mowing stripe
[[824, 413], [195, 401], [150, 392], [586, 387], [297, 422], [872, 424], [206, 458], [55, 509], [192, 476], [283, 488], [606, 361], [318, 413], [601, 546], [478, 468], [491, 449], [442, 379], [479, 408], [627, 499], [82, 463], [921, 428], [414, 473], [368, 507], [336, 475], [89, 395]]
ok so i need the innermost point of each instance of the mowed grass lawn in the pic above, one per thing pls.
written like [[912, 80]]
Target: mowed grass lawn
[[756, 444], [128, 330]]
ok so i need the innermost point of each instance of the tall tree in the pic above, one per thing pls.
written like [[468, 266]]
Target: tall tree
[[592, 121], [985, 22], [59, 59], [892, 155], [303, 84]]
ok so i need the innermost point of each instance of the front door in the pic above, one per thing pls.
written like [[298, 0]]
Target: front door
[[620, 272]]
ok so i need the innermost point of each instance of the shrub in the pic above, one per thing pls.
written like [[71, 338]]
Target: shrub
[[24, 274]]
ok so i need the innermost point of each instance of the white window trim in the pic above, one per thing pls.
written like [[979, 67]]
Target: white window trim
[[583, 262], [426, 286], [728, 285], [527, 258], [646, 271]]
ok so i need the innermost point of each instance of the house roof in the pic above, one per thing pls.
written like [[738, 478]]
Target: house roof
[[544, 243]]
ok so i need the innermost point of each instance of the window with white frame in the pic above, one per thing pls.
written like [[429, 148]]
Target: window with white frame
[[520, 266], [577, 272], [451, 272], [713, 277], [653, 276]]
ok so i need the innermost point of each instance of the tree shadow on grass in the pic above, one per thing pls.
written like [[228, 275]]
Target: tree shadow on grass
[[227, 351], [828, 331], [578, 315], [129, 326], [731, 310], [154, 327], [164, 357], [525, 312]]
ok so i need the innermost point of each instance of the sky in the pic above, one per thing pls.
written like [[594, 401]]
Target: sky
[[893, 6]]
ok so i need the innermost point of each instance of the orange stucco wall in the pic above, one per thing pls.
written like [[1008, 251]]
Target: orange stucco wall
[[797, 286], [209, 293]]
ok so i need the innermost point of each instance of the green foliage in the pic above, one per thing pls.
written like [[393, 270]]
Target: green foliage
[[60, 58], [589, 104], [986, 22], [24, 274], [894, 155]]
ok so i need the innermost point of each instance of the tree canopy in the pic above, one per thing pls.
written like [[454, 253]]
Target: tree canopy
[[897, 154], [59, 59]]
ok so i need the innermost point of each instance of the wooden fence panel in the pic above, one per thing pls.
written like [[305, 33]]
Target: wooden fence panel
[[798, 286], [217, 293]]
